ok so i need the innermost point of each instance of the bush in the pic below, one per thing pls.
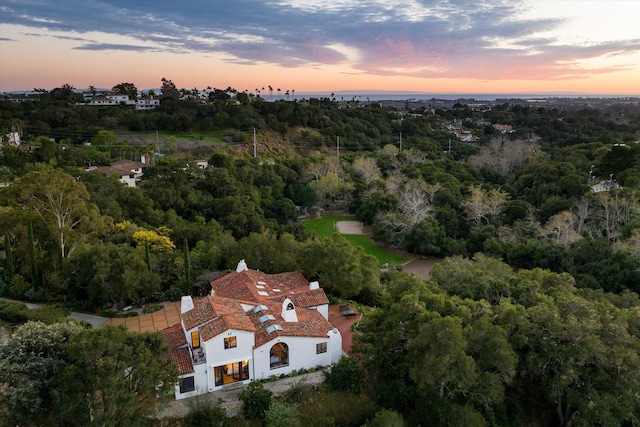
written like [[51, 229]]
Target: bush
[[15, 312], [19, 286], [48, 314], [282, 414], [386, 418], [152, 308], [255, 400], [344, 376], [336, 409]]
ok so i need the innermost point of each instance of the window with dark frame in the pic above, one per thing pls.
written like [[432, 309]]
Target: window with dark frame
[[230, 342], [187, 384], [321, 347]]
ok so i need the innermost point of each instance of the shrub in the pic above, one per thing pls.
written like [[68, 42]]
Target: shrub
[[344, 376], [48, 314], [336, 409], [282, 414], [152, 308], [15, 312], [386, 418], [255, 400]]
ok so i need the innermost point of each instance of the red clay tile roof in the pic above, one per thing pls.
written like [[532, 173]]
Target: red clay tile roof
[[223, 311], [182, 358], [202, 312], [310, 324], [254, 286], [305, 298], [215, 315], [174, 336]]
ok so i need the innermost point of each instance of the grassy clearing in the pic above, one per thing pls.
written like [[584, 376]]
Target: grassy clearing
[[325, 227]]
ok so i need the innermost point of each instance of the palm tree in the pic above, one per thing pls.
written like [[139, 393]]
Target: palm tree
[[270, 92], [279, 92]]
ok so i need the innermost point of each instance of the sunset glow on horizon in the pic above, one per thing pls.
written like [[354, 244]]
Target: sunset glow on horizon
[[589, 47]]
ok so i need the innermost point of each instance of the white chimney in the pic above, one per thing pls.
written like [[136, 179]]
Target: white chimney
[[289, 311], [314, 285], [186, 304], [242, 266]]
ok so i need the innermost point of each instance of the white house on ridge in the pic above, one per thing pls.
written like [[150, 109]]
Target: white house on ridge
[[253, 326]]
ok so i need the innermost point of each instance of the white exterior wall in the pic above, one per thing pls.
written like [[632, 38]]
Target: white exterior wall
[[217, 355], [128, 180], [335, 346], [302, 354], [324, 310], [200, 381]]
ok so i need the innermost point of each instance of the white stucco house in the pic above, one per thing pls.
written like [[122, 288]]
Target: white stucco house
[[253, 326], [129, 171]]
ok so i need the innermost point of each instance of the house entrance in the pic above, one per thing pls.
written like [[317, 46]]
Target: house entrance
[[232, 372]]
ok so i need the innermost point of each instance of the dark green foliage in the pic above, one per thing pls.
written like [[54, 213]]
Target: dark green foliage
[[33, 262], [256, 400], [15, 312], [9, 265], [344, 376], [426, 238], [209, 416], [337, 408], [386, 418]]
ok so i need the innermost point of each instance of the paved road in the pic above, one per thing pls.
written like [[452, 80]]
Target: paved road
[[96, 321]]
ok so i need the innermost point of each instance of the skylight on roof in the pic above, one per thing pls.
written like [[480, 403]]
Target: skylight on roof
[[259, 286], [263, 293], [259, 308], [273, 328], [276, 290], [261, 283], [266, 317]]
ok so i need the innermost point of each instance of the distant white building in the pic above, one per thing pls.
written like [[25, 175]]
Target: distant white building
[[252, 326]]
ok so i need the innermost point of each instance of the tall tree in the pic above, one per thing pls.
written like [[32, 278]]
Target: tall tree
[[62, 203], [114, 377], [126, 89], [33, 261], [28, 364]]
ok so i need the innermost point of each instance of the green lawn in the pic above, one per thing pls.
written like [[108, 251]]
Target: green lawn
[[325, 227]]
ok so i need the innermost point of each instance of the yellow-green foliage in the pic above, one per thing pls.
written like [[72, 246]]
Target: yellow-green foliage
[[157, 242]]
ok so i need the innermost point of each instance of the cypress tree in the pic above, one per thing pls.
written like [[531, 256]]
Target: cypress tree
[[147, 254], [187, 264], [8, 262], [32, 259]]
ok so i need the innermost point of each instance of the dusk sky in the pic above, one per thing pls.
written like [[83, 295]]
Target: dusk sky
[[432, 46]]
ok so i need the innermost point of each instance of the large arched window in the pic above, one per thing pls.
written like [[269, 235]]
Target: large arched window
[[279, 355]]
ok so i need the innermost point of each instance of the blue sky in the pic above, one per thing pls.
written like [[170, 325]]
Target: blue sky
[[313, 45]]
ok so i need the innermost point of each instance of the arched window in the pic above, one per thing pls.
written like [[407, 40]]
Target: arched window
[[279, 355]]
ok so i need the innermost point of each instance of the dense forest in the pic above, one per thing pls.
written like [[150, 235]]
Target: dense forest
[[533, 317]]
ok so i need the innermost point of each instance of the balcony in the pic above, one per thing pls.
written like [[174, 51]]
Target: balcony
[[198, 356]]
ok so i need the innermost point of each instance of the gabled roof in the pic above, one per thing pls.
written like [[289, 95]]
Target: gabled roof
[[180, 354], [255, 286], [182, 358], [310, 323], [174, 336], [129, 165], [216, 315]]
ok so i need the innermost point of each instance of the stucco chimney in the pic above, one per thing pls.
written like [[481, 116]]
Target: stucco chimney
[[314, 285], [186, 304], [242, 266]]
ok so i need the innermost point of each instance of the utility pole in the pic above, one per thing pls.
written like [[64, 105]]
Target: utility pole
[[255, 152], [401, 142], [449, 146], [338, 147]]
